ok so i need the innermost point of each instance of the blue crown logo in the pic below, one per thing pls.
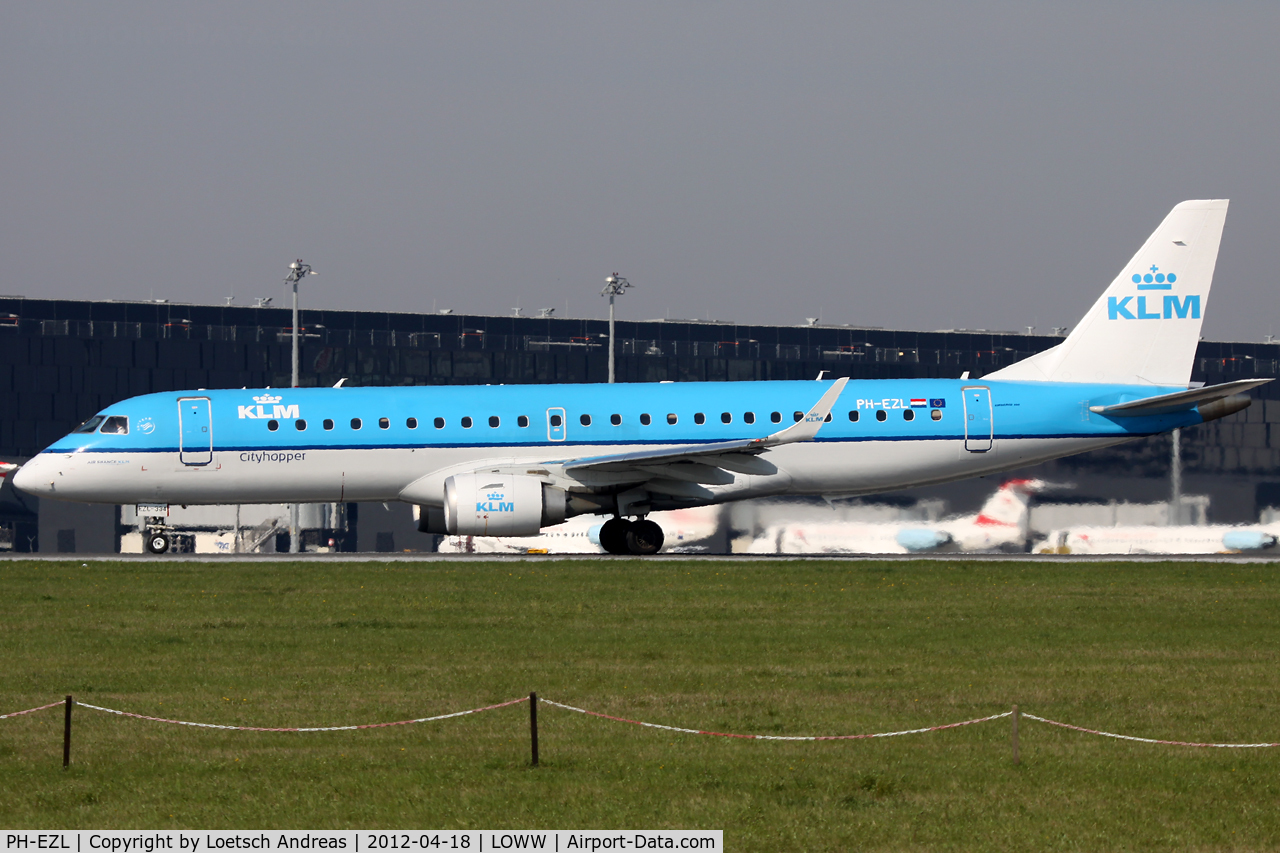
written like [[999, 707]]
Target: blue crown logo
[[1154, 280], [494, 496]]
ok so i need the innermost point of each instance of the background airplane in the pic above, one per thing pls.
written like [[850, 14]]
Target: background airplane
[[1153, 539], [1001, 524], [687, 531]]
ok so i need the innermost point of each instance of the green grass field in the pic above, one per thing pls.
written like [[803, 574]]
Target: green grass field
[[1183, 651]]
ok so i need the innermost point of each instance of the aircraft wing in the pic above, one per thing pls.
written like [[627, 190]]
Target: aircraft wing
[[682, 469], [1178, 401], [709, 463]]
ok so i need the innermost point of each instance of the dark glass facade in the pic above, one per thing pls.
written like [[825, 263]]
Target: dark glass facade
[[63, 360]]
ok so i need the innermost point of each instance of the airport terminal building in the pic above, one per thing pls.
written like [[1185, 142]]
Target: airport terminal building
[[63, 360]]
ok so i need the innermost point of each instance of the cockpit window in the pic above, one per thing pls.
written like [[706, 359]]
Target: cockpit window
[[91, 424], [116, 425]]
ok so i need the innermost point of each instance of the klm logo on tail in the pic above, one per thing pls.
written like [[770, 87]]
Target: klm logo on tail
[[1136, 307]]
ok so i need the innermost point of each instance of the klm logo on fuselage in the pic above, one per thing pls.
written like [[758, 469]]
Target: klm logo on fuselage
[[1168, 307], [494, 503], [268, 407]]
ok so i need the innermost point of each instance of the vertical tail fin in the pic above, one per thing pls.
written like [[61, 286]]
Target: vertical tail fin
[[1145, 328], [1009, 505]]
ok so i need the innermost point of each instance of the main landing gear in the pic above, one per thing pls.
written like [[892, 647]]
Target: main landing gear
[[620, 536], [156, 536]]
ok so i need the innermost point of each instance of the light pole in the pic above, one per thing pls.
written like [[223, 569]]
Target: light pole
[[614, 286], [297, 271]]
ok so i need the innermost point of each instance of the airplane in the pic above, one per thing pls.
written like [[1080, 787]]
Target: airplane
[[1153, 539], [1001, 524], [511, 460]]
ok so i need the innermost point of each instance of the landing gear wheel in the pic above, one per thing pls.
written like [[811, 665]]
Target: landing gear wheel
[[644, 537], [157, 543], [613, 536]]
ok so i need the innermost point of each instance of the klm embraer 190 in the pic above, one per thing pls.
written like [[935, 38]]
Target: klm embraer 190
[[510, 460]]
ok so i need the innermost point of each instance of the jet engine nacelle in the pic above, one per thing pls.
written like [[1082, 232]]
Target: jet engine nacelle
[[479, 504]]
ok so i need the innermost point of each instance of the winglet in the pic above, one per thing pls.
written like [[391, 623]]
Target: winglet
[[808, 427]]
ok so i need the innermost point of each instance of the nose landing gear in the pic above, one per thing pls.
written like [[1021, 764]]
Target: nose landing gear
[[641, 537]]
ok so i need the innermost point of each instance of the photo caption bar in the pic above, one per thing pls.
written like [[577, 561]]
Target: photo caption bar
[[361, 841]]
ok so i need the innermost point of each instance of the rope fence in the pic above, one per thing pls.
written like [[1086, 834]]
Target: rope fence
[[779, 737], [532, 700], [31, 710], [302, 728]]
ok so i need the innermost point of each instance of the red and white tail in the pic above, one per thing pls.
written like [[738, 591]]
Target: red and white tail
[[1010, 505]]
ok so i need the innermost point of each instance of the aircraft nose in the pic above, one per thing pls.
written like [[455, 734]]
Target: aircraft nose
[[33, 478]]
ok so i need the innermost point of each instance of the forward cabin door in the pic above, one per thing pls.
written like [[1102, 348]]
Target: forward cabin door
[[195, 431], [978, 426]]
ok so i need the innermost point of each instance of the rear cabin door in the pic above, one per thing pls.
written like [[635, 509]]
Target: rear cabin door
[[555, 424], [977, 420], [195, 431]]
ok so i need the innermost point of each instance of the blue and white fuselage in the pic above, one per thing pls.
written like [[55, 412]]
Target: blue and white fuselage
[[508, 460], [371, 444]]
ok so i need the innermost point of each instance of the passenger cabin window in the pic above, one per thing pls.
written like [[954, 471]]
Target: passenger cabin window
[[466, 423], [91, 424], [748, 417], [726, 418], [853, 415], [411, 423], [384, 423], [493, 421], [616, 420], [936, 414], [556, 421], [645, 419], [585, 420], [881, 414], [699, 418], [908, 415], [273, 425], [355, 423], [299, 424], [328, 423], [827, 419], [439, 422], [522, 421], [116, 425], [799, 416], [776, 417], [671, 418]]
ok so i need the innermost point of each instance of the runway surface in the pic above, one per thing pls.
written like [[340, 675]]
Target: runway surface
[[426, 557]]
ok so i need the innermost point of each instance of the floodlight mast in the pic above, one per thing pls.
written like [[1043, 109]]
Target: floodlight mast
[[297, 271], [614, 286]]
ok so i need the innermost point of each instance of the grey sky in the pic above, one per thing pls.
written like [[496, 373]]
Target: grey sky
[[976, 165]]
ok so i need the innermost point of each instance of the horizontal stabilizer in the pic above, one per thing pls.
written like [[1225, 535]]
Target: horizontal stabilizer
[[1179, 401]]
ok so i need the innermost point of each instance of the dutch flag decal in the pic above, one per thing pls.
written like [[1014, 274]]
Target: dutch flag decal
[[918, 403]]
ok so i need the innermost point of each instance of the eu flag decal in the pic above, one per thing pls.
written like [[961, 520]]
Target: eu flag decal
[[937, 403]]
